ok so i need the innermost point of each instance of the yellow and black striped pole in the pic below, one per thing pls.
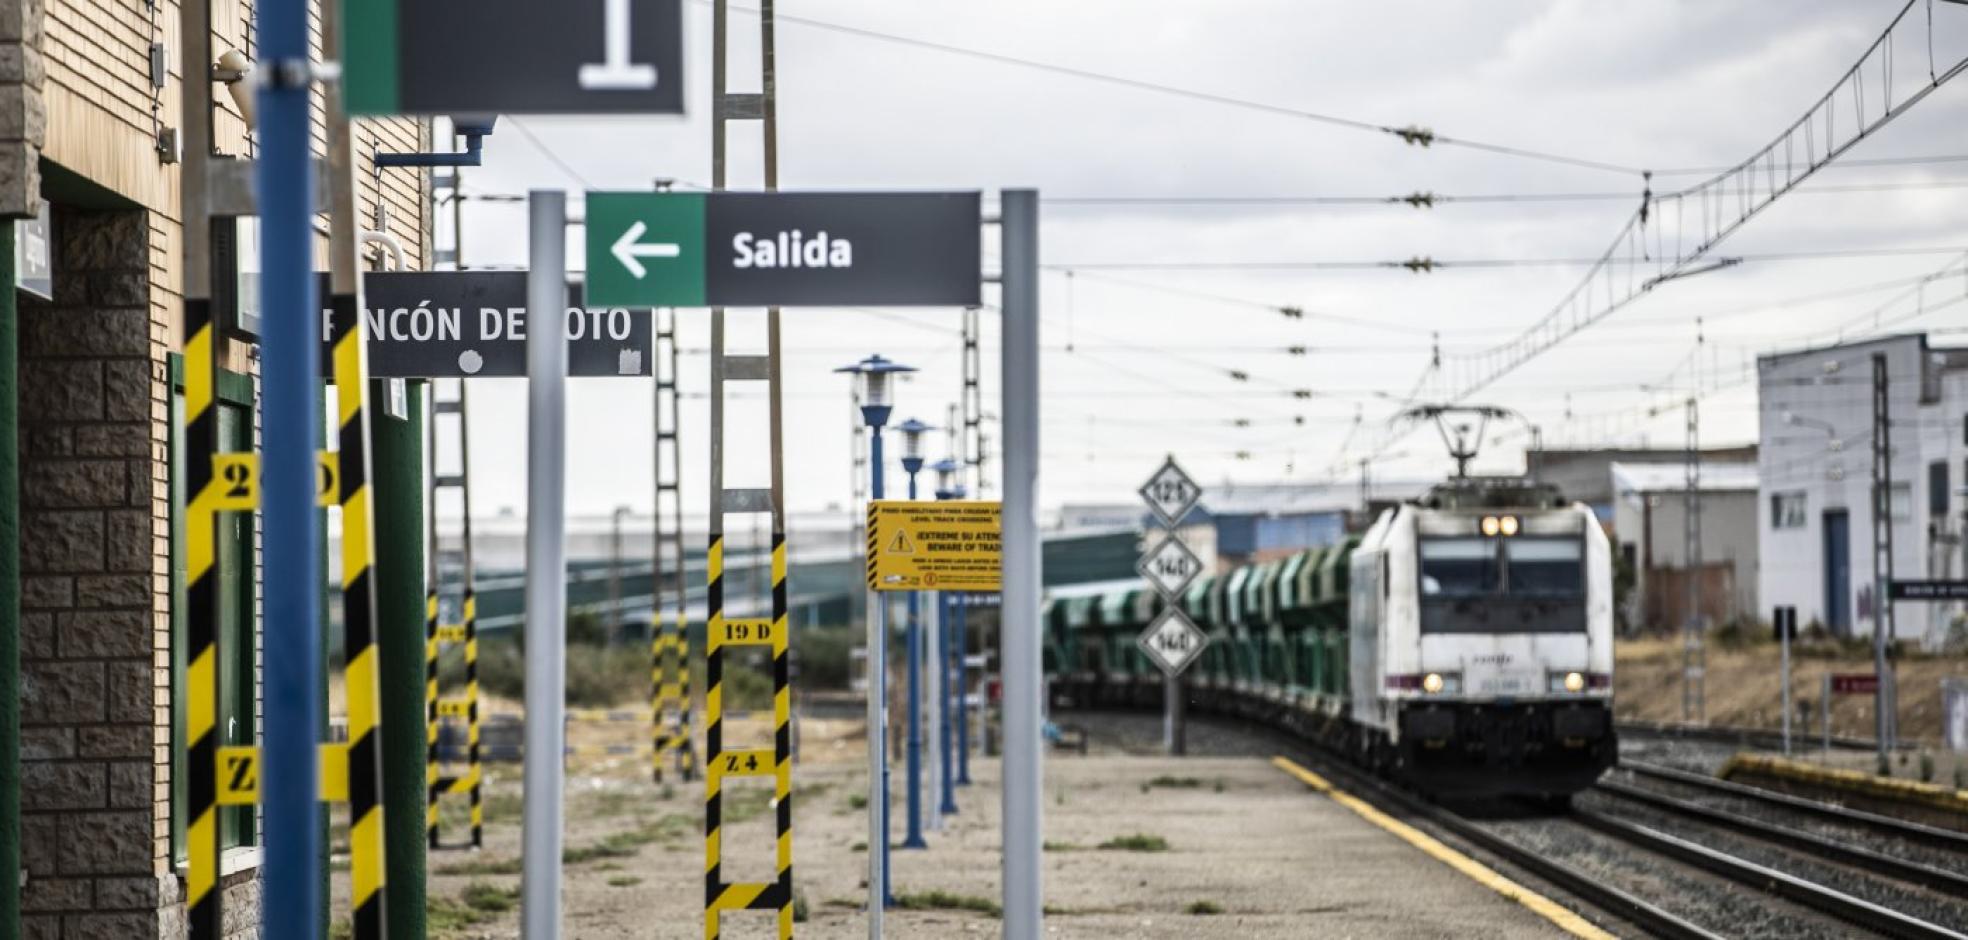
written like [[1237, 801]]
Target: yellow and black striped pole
[[360, 679], [431, 790], [713, 727], [775, 895], [659, 685], [202, 896], [686, 754], [474, 775], [782, 734]]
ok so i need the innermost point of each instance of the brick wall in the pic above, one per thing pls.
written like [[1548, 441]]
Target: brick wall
[[95, 661]]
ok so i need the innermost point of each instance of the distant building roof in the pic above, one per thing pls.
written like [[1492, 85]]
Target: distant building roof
[[1716, 477]]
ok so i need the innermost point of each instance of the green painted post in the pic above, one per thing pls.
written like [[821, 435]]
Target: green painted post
[[10, 754], [398, 491]]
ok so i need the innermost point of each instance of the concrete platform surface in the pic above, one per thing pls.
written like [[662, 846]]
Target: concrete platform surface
[[1266, 856]]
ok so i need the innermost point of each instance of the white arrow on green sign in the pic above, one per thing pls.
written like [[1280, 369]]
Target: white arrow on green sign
[[783, 249]]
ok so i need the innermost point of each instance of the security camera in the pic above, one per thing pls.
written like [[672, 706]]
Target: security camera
[[236, 71]]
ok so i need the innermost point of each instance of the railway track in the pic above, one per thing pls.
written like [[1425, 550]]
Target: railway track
[[1691, 871]]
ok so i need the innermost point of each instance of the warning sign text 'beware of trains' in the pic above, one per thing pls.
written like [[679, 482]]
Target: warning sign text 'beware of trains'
[[933, 546]]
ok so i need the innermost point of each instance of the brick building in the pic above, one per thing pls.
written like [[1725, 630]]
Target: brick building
[[88, 154]]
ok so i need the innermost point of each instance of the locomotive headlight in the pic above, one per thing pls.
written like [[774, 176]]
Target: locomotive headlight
[[1568, 682], [1508, 524], [1491, 525], [1432, 683]]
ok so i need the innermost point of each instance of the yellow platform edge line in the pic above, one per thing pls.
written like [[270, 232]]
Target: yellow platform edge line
[[1564, 918]]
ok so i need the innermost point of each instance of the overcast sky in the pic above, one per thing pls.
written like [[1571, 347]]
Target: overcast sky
[[1136, 368]]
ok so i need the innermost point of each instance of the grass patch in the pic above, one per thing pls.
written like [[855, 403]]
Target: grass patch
[[624, 881], [861, 846], [1203, 908], [627, 842], [744, 803], [857, 801], [846, 904], [1061, 847], [479, 866], [1138, 842], [1167, 782], [489, 898], [945, 901]]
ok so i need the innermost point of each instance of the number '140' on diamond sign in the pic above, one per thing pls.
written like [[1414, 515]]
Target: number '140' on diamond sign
[[1172, 642]]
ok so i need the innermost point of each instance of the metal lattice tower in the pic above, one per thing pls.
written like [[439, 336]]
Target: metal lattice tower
[[722, 897], [1694, 653], [671, 732], [450, 616], [1882, 551], [972, 453]]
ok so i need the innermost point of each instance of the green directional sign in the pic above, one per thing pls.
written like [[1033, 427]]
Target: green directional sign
[[647, 245], [783, 249]]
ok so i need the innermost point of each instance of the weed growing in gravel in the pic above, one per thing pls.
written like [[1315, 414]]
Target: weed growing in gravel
[[669, 792], [858, 847], [745, 803], [1167, 782], [1061, 847], [945, 901], [485, 865], [846, 903], [857, 801], [625, 843], [624, 881], [1138, 842], [800, 911], [1204, 907], [490, 898]]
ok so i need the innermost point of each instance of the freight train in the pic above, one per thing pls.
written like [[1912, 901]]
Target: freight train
[[1462, 644]]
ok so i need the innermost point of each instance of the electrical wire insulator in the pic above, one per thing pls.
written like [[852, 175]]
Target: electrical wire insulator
[[1418, 200], [1420, 264], [1413, 135], [1293, 313]]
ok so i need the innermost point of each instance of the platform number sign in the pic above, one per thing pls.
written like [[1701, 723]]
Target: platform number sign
[[1170, 566], [1172, 642], [1170, 493]]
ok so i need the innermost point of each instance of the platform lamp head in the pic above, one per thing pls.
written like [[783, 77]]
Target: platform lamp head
[[877, 387], [912, 444], [949, 484]]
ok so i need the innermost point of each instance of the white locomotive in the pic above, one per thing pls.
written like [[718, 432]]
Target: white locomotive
[[1480, 627]]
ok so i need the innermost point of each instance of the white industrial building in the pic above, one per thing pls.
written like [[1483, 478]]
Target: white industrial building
[[1815, 457], [1650, 523]]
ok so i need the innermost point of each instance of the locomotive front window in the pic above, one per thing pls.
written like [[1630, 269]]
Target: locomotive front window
[[1545, 567], [1459, 567]]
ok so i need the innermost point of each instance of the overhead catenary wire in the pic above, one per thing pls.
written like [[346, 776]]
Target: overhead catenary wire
[[1412, 135], [1422, 199], [1422, 264]]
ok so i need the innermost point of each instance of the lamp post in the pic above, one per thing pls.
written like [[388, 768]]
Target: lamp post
[[873, 377], [950, 682], [912, 464]]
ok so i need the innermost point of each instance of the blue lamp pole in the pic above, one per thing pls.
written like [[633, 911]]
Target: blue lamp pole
[[947, 488], [877, 403], [912, 464]]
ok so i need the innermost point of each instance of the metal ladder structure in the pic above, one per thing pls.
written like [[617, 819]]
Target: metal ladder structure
[[721, 896], [670, 730], [450, 619]]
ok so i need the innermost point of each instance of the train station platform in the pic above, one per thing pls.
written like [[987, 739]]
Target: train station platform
[[1136, 846]]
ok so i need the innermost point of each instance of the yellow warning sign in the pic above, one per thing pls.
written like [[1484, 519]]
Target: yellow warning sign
[[933, 546]]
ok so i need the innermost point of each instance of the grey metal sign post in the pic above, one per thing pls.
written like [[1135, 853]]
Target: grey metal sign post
[[1171, 641], [546, 574], [1021, 666]]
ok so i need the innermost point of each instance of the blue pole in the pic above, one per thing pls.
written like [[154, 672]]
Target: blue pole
[[914, 754], [963, 693], [943, 626], [878, 678], [290, 350]]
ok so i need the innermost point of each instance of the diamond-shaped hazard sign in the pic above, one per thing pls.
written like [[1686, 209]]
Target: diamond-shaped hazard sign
[[1170, 493], [1170, 566], [1172, 641]]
